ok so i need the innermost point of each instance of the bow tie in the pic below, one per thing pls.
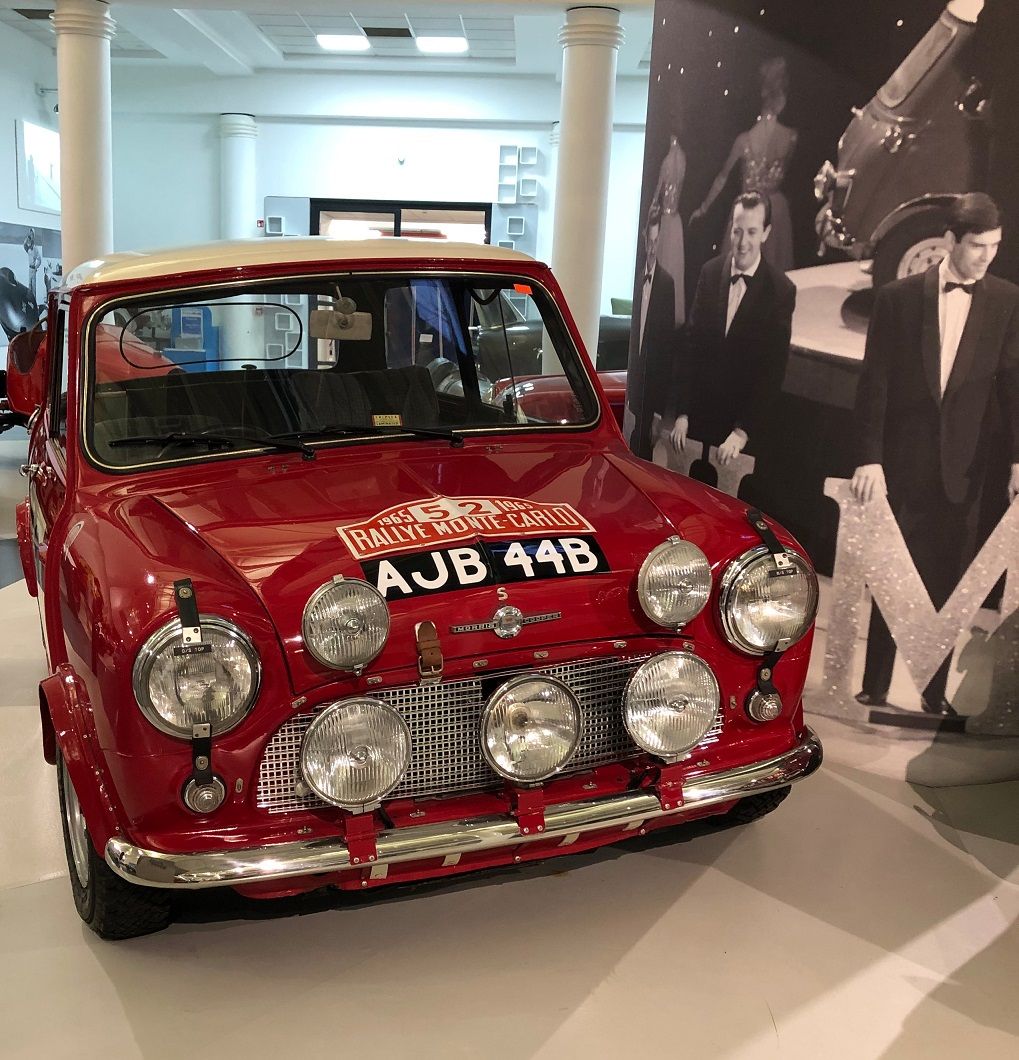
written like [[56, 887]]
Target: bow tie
[[647, 277], [950, 285], [744, 276]]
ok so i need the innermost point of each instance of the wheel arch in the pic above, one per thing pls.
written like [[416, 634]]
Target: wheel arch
[[67, 727], [906, 210]]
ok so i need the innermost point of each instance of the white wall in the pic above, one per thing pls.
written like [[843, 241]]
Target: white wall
[[23, 64], [342, 136]]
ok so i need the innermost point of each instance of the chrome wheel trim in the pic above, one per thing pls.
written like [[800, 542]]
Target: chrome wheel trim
[[921, 256], [77, 832]]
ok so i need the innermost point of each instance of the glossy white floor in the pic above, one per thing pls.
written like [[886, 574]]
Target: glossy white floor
[[865, 918]]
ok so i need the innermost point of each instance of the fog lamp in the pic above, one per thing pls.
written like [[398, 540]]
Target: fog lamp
[[345, 623], [670, 703], [355, 752], [530, 728], [674, 583]]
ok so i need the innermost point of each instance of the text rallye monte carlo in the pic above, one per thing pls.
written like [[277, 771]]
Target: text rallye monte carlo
[[324, 605]]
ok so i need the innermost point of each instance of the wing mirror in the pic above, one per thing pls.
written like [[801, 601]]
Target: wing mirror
[[26, 371]]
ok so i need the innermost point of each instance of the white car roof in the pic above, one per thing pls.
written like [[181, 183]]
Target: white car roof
[[237, 253]]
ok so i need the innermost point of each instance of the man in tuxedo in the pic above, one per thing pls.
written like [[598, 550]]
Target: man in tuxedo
[[942, 348], [654, 343], [737, 341]]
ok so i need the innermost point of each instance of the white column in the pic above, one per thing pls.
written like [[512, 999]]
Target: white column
[[84, 29], [590, 40], [242, 330], [238, 210]]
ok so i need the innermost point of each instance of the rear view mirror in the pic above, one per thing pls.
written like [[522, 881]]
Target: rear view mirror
[[332, 324], [26, 371]]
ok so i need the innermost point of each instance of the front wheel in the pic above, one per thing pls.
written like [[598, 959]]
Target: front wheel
[[756, 806], [112, 907], [912, 246]]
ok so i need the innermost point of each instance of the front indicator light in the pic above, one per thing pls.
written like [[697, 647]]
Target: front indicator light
[[764, 706], [204, 798]]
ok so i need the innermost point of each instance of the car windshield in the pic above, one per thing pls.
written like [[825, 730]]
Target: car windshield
[[298, 364], [917, 64]]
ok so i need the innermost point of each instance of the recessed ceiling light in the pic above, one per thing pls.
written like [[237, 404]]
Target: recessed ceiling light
[[442, 45], [343, 42]]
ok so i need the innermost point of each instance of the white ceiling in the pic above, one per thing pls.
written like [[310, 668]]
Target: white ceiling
[[256, 35]]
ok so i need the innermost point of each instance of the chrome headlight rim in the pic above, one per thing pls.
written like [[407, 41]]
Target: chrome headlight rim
[[320, 719], [490, 706], [646, 567], [160, 640], [730, 579], [646, 664], [309, 641]]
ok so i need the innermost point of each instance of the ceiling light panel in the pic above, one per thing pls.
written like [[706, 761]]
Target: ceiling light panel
[[391, 36], [343, 42], [428, 45]]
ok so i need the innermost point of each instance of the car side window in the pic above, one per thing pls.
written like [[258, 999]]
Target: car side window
[[58, 416]]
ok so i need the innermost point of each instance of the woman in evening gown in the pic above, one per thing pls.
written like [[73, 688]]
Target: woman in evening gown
[[763, 153]]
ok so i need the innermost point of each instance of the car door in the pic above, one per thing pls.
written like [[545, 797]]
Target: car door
[[47, 464]]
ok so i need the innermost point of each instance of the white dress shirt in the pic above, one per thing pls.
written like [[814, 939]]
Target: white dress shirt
[[738, 289], [953, 312]]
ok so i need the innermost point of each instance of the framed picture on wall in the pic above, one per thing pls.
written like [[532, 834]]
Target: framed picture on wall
[[38, 154]]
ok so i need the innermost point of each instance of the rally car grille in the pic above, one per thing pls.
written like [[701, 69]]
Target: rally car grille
[[443, 720]]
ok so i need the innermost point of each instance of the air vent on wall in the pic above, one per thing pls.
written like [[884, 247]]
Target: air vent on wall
[[387, 31]]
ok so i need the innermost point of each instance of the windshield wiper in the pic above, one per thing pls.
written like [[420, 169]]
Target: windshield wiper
[[454, 439], [215, 441]]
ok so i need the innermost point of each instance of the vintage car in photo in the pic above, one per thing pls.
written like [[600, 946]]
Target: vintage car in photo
[[915, 147], [312, 620]]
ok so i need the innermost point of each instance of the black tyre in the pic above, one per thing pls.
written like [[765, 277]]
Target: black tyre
[[112, 908], [911, 246], [755, 806]]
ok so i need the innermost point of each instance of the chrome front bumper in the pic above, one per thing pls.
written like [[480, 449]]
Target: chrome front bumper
[[452, 839]]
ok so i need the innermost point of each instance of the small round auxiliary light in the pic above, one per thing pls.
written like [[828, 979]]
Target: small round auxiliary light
[[204, 798], [764, 706]]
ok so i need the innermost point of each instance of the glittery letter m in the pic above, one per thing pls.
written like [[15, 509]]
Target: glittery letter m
[[870, 551]]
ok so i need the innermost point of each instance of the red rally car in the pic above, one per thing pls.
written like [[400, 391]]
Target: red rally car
[[316, 617]]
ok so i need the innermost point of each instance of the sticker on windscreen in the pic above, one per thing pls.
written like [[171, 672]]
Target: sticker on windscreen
[[484, 563]]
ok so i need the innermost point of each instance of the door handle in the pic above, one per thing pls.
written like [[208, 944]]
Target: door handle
[[30, 471]]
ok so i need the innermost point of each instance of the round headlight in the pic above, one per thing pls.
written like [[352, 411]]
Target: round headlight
[[764, 608], [674, 583], [530, 728], [670, 703], [355, 752], [345, 623], [176, 692]]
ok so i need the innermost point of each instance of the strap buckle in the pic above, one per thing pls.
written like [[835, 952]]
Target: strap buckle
[[429, 653]]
